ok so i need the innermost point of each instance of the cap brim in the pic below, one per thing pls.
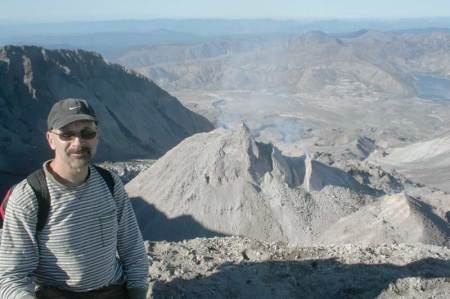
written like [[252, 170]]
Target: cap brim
[[73, 118]]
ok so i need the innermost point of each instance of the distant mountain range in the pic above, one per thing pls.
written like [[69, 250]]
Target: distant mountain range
[[221, 27], [137, 118], [380, 61], [110, 44], [113, 38]]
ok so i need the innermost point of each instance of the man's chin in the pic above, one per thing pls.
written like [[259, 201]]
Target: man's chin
[[81, 162]]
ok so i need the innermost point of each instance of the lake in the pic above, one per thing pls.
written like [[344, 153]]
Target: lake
[[432, 87]]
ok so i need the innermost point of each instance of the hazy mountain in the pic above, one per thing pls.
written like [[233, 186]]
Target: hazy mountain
[[384, 62], [137, 118], [312, 62], [169, 53], [411, 52]]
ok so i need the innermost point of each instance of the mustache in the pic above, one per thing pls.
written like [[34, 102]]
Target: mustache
[[81, 150]]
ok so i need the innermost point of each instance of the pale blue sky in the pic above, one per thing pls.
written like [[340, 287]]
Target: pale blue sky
[[70, 10]]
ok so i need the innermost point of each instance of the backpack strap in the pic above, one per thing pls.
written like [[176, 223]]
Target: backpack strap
[[107, 177], [38, 183]]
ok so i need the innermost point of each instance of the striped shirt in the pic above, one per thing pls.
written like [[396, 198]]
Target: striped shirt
[[91, 239]]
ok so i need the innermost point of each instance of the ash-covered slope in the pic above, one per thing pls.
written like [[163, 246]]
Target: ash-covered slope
[[137, 118], [427, 162], [231, 184], [434, 152], [396, 218]]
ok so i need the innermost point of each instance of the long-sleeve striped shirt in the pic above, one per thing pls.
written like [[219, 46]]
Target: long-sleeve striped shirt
[[91, 239]]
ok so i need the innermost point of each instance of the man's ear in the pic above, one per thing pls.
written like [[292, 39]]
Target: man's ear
[[51, 140]]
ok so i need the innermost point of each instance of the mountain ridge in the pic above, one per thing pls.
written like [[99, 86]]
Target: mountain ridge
[[137, 118]]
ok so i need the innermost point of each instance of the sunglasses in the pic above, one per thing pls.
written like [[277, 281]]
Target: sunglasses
[[85, 134]]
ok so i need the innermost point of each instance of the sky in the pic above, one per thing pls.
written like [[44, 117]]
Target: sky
[[29, 11]]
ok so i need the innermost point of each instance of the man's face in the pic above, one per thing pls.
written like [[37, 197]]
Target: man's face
[[74, 144]]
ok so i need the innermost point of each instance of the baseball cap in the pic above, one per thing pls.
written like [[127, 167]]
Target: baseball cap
[[69, 110]]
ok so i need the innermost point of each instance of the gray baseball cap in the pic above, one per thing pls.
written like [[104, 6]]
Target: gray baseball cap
[[69, 110]]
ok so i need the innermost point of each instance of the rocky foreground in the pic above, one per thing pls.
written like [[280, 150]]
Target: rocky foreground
[[235, 267]]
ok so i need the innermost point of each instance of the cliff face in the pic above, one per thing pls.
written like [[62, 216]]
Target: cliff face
[[137, 118]]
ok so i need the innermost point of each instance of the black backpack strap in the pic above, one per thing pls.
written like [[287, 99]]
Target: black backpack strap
[[38, 183], [107, 177]]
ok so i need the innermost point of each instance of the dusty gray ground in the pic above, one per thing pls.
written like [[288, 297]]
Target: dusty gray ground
[[237, 267]]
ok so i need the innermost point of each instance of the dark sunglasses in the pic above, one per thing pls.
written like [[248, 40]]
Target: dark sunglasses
[[85, 134]]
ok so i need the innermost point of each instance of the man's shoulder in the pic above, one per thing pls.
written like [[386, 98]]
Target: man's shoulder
[[22, 195], [22, 188]]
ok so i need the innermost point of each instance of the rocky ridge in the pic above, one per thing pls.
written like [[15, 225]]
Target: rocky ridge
[[230, 184]]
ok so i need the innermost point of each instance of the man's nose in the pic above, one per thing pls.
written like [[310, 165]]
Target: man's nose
[[77, 140]]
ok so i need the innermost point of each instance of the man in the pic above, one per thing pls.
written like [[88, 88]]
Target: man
[[90, 246]]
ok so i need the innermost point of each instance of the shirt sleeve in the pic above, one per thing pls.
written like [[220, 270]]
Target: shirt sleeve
[[130, 244], [19, 255]]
